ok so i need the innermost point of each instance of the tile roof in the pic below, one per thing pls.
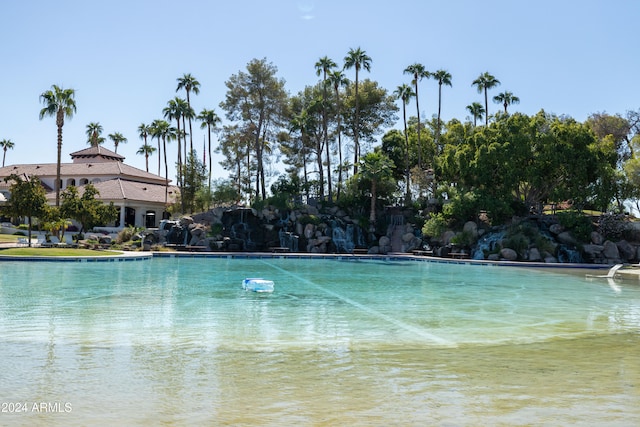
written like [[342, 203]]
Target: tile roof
[[120, 189]]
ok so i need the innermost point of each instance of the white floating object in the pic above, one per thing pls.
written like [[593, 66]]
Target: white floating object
[[257, 284]]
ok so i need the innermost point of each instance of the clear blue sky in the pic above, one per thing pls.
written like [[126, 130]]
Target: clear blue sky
[[123, 57]]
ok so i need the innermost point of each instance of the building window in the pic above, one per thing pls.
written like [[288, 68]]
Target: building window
[[71, 182], [84, 181], [150, 219]]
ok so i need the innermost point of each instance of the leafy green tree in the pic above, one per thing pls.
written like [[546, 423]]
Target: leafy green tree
[[27, 198], [375, 167], [175, 110], [235, 146], [85, 208], [117, 139], [418, 72], [58, 103], [146, 150], [484, 82], [225, 192], [506, 98], [195, 175], [257, 99], [296, 149], [94, 134], [405, 93], [189, 84], [6, 144], [357, 59]]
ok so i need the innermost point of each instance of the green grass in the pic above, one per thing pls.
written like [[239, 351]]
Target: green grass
[[9, 238], [61, 252]]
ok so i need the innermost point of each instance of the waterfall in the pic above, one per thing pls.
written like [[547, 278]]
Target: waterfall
[[339, 239], [288, 240], [487, 243]]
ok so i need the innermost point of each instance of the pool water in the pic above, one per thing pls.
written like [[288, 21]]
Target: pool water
[[177, 341]]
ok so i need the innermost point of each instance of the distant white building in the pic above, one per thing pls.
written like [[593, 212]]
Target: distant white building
[[140, 196]]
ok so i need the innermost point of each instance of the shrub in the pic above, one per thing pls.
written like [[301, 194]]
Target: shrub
[[579, 224], [435, 226]]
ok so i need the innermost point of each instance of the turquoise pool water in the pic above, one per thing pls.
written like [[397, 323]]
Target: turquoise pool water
[[177, 341]]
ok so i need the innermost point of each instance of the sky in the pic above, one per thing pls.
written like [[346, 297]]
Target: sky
[[123, 58]]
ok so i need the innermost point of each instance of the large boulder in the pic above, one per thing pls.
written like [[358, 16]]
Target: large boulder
[[566, 238], [534, 255], [471, 228], [596, 238], [508, 254], [626, 250], [610, 250]]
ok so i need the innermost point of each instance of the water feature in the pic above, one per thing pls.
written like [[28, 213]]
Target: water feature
[[344, 341], [288, 240], [487, 243]]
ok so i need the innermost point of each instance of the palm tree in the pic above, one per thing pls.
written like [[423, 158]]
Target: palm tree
[[485, 82], [418, 72], [144, 131], [477, 111], [376, 166], [324, 66], [506, 98], [5, 144], [209, 120], [357, 58], [174, 111], [94, 132], [444, 78], [405, 93], [60, 103], [146, 150], [190, 84], [162, 130], [338, 80], [117, 139]]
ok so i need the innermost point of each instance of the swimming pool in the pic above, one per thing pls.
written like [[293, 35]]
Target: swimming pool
[[341, 341]]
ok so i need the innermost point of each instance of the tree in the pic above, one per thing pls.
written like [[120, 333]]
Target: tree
[[484, 82], [194, 173], [174, 111], [375, 167], [418, 71], [117, 139], [506, 98], [5, 144], [405, 94], [324, 66], [58, 103], [477, 112], [85, 208], [162, 130], [443, 77], [210, 120], [146, 150], [357, 58], [257, 100], [190, 84], [27, 198], [338, 80], [94, 132], [144, 131]]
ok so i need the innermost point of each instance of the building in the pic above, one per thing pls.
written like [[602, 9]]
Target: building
[[140, 196]]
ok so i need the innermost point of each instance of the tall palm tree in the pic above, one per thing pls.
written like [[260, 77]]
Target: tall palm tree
[[477, 111], [174, 111], [338, 80], [94, 134], [117, 139], [6, 144], [405, 93], [358, 59], [209, 120], [143, 132], [484, 82], [58, 103], [162, 130], [418, 71], [190, 84], [443, 77], [146, 150], [506, 98], [324, 66]]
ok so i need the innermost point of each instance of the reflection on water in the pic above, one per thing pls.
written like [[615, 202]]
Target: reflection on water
[[178, 342]]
